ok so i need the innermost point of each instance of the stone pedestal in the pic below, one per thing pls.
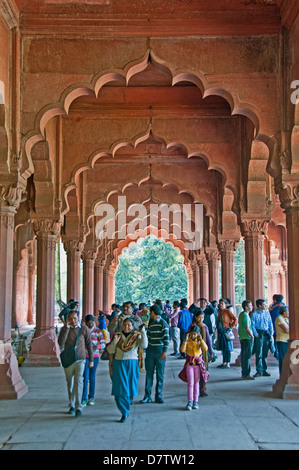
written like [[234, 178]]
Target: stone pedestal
[[44, 349], [288, 384], [11, 383]]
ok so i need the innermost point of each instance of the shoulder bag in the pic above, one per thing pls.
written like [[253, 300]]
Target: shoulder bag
[[69, 355]]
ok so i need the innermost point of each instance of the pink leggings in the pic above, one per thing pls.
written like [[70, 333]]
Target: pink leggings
[[193, 377]]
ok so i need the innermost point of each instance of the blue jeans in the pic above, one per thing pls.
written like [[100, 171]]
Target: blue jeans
[[282, 348], [90, 377], [246, 353], [153, 361], [261, 349]]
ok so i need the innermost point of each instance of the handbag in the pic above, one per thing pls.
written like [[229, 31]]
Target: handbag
[[229, 334], [69, 355], [105, 355]]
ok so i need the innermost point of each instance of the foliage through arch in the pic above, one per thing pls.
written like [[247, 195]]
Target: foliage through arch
[[150, 269]]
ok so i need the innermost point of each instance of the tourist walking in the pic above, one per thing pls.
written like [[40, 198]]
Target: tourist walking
[[115, 326], [184, 323], [89, 377], [225, 321], [126, 351], [72, 340], [174, 330], [143, 313], [194, 368], [282, 334], [158, 342], [246, 339], [263, 331], [207, 354]]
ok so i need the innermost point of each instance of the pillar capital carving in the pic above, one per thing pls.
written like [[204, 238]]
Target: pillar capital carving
[[11, 195], [89, 254], [289, 194], [72, 246], [228, 245], [254, 226], [272, 271], [212, 255], [46, 226], [289, 198]]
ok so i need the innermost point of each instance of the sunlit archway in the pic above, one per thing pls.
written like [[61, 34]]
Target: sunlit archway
[[148, 270]]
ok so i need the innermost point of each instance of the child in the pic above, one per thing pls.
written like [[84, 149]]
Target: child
[[98, 343], [194, 366]]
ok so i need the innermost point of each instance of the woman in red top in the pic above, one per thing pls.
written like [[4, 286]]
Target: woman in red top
[[225, 321]]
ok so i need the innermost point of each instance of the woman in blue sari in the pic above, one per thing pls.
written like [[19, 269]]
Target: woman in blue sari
[[126, 357]]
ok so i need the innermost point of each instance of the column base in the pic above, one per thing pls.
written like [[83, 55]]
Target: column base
[[287, 386], [12, 386], [44, 350]]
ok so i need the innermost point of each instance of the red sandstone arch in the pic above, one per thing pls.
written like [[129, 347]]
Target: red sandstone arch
[[61, 107], [211, 165]]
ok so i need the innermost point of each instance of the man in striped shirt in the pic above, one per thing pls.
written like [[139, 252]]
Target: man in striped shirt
[[158, 342]]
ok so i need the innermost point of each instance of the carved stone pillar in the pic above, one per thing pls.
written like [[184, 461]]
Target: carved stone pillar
[[88, 282], [272, 273], [190, 285], [227, 250], [253, 232], [288, 384], [31, 316], [196, 281], [73, 250], [11, 383], [44, 349], [98, 285], [112, 285], [213, 265], [106, 305], [203, 277]]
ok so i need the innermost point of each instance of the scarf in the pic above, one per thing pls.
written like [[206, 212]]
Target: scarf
[[133, 337]]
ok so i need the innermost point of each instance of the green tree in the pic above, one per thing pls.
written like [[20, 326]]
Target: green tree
[[150, 269]]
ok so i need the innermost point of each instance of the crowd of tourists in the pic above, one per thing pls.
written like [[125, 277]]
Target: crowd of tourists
[[131, 331]]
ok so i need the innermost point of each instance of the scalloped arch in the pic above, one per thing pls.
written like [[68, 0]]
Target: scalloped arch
[[80, 89]]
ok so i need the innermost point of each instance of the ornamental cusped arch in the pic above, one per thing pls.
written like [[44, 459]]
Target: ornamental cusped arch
[[264, 130]]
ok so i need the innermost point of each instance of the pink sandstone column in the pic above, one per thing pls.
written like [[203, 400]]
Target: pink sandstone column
[[190, 285], [253, 232], [227, 250], [88, 282], [44, 349], [31, 316], [196, 280], [73, 250], [98, 286], [203, 277], [111, 285], [288, 384], [11, 383], [106, 305], [213, 264]]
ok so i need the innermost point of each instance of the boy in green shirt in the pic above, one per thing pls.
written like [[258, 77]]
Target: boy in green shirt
[[246, 339]]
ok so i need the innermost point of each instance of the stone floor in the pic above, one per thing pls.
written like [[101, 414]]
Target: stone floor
[[236, 415]]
